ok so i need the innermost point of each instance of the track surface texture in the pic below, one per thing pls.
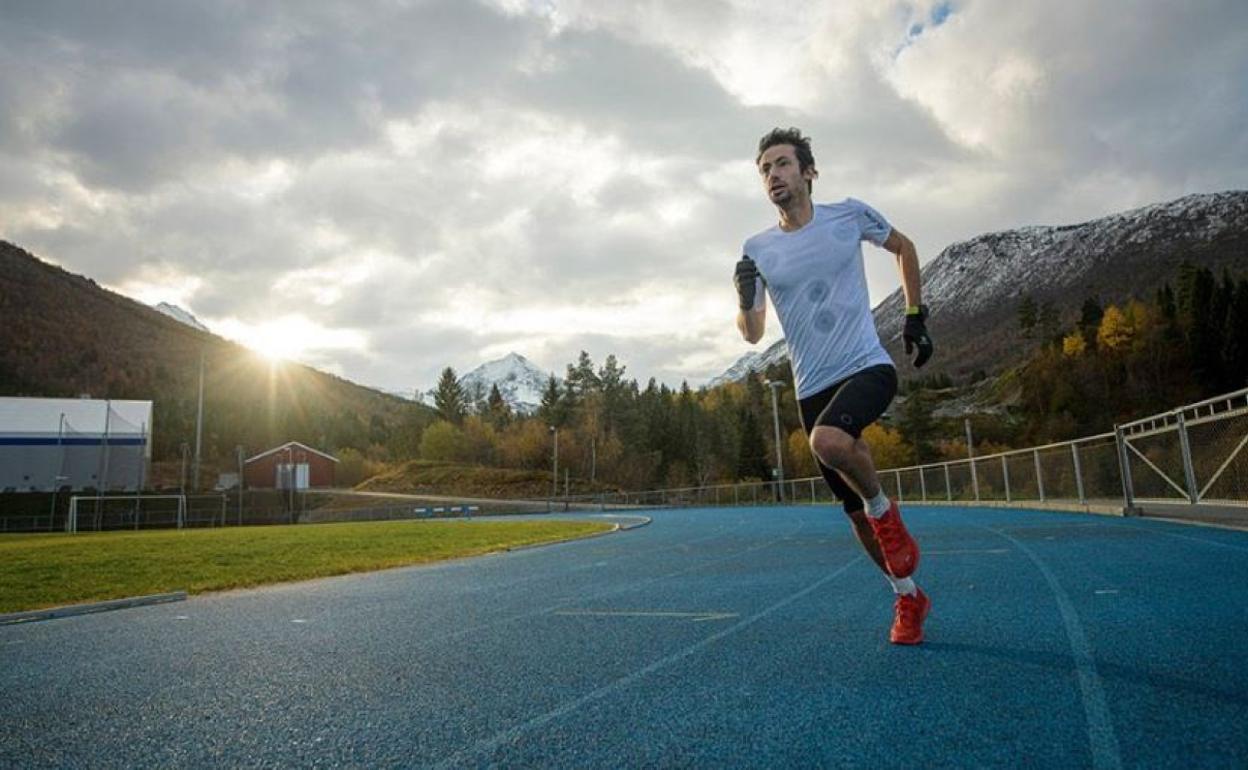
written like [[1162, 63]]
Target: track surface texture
[[709, 638]]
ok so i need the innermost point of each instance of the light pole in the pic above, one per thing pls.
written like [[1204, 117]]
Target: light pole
[[775, 417], [554, 474], [239, 449]]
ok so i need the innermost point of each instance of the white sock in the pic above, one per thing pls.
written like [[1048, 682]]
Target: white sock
[[902, 586], [878, 505]]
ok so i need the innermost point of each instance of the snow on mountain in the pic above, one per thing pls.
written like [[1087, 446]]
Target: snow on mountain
[[520, 382], [178, 314], [973, 288], [752, 361]]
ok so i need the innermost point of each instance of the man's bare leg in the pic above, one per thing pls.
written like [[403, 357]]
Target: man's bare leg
[[851, 458]]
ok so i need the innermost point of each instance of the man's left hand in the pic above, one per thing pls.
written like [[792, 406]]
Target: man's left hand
[[916, 336]]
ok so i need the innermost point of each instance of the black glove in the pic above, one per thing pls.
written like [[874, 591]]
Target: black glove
[[746, 279], [915, 335]]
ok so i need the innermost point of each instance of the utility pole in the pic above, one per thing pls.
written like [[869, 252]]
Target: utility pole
[[199, 420], [239, 449], [60, 469], [554, 474], [775, 417]]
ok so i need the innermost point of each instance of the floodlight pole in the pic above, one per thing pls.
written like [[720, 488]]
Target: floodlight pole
[[775, 417], [56, 477], [199, 420], [239, 449]]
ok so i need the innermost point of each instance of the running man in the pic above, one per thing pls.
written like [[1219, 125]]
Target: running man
[[811, 265]]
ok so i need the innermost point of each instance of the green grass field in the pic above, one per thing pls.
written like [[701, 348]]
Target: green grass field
[[38, 571]]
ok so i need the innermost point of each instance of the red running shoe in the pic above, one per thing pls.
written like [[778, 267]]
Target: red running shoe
[[909, 614], [901, 553]]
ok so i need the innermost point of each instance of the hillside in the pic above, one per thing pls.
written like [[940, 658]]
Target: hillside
[[440, 478], [974, 288], [64, 336]]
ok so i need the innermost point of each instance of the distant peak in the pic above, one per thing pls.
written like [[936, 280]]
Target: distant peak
[[178, 314]]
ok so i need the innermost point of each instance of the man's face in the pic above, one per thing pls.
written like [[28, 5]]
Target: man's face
[[782, 176]]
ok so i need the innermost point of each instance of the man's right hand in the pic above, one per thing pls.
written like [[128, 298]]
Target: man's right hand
[[746, 279]]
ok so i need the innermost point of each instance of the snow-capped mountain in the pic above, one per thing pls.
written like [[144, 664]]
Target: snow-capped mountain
[[519, 381], [753, 361], [178, 314], [973, 288]]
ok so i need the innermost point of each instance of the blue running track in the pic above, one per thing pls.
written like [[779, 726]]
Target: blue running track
[[708, 638]]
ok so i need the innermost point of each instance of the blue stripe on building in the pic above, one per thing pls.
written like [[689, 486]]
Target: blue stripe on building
[[9, 441]]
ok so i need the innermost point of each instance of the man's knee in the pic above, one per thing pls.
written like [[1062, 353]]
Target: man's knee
[[831, 445]]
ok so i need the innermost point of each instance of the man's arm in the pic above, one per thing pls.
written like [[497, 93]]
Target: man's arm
[[914, 332], [907, 265], [752, 323]]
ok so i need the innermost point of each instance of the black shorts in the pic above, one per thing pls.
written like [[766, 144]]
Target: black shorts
[[851, 405]]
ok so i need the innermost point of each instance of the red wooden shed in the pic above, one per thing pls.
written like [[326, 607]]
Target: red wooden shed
[[290, 466]]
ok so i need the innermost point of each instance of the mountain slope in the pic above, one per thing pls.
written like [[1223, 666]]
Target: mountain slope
[[974, 287], [519, 381], [63, 336]]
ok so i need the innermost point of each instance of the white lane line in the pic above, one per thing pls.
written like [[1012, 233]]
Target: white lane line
[[1106, 591], [298, 620], [966, 550], [1101, 737], [697, 617], [511, 734]]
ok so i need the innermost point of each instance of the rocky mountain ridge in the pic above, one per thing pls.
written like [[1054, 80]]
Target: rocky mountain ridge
[[974, 287]]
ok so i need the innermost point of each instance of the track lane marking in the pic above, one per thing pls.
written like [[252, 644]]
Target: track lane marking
[[698, 617], [1102, 739], [511, 734]]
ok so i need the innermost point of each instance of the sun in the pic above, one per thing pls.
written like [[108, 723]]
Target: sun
[[281, 339]]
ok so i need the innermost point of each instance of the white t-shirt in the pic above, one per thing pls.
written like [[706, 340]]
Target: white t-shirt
[[818, 286]]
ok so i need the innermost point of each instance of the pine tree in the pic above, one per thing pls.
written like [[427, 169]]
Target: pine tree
[[582, 380], [1048, 320], [1235, 350], [1090, 315], [1027, 316], [549, 411], [448, 398], [752, 458], [916, 425], [1204, 334], [497, 408]]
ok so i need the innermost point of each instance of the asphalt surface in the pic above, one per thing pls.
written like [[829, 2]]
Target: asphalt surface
[[709, 638]]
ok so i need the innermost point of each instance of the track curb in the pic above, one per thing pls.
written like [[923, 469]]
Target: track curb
[[70, 610]]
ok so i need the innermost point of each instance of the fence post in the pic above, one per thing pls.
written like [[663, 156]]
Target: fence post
[[1039, 476], [1074, 452], [897, 476], [1005, 472], [1124, 466], [948, 488], [1189, 472], [923, 484], [812, 491]]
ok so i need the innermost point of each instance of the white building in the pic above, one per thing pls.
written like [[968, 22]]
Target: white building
[[53, 443]]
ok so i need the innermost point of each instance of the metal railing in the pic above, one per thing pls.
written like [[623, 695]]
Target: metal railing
[[1192, 454]]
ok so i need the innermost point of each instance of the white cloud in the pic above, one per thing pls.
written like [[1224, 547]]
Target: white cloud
[[418, 185]]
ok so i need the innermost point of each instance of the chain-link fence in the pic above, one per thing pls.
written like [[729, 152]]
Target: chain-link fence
[[1193, 454]]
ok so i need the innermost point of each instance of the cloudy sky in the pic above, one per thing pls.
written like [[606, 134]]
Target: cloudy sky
[[385, 189]]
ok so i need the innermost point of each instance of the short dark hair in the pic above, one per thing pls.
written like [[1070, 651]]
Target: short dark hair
[[793, 136]]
